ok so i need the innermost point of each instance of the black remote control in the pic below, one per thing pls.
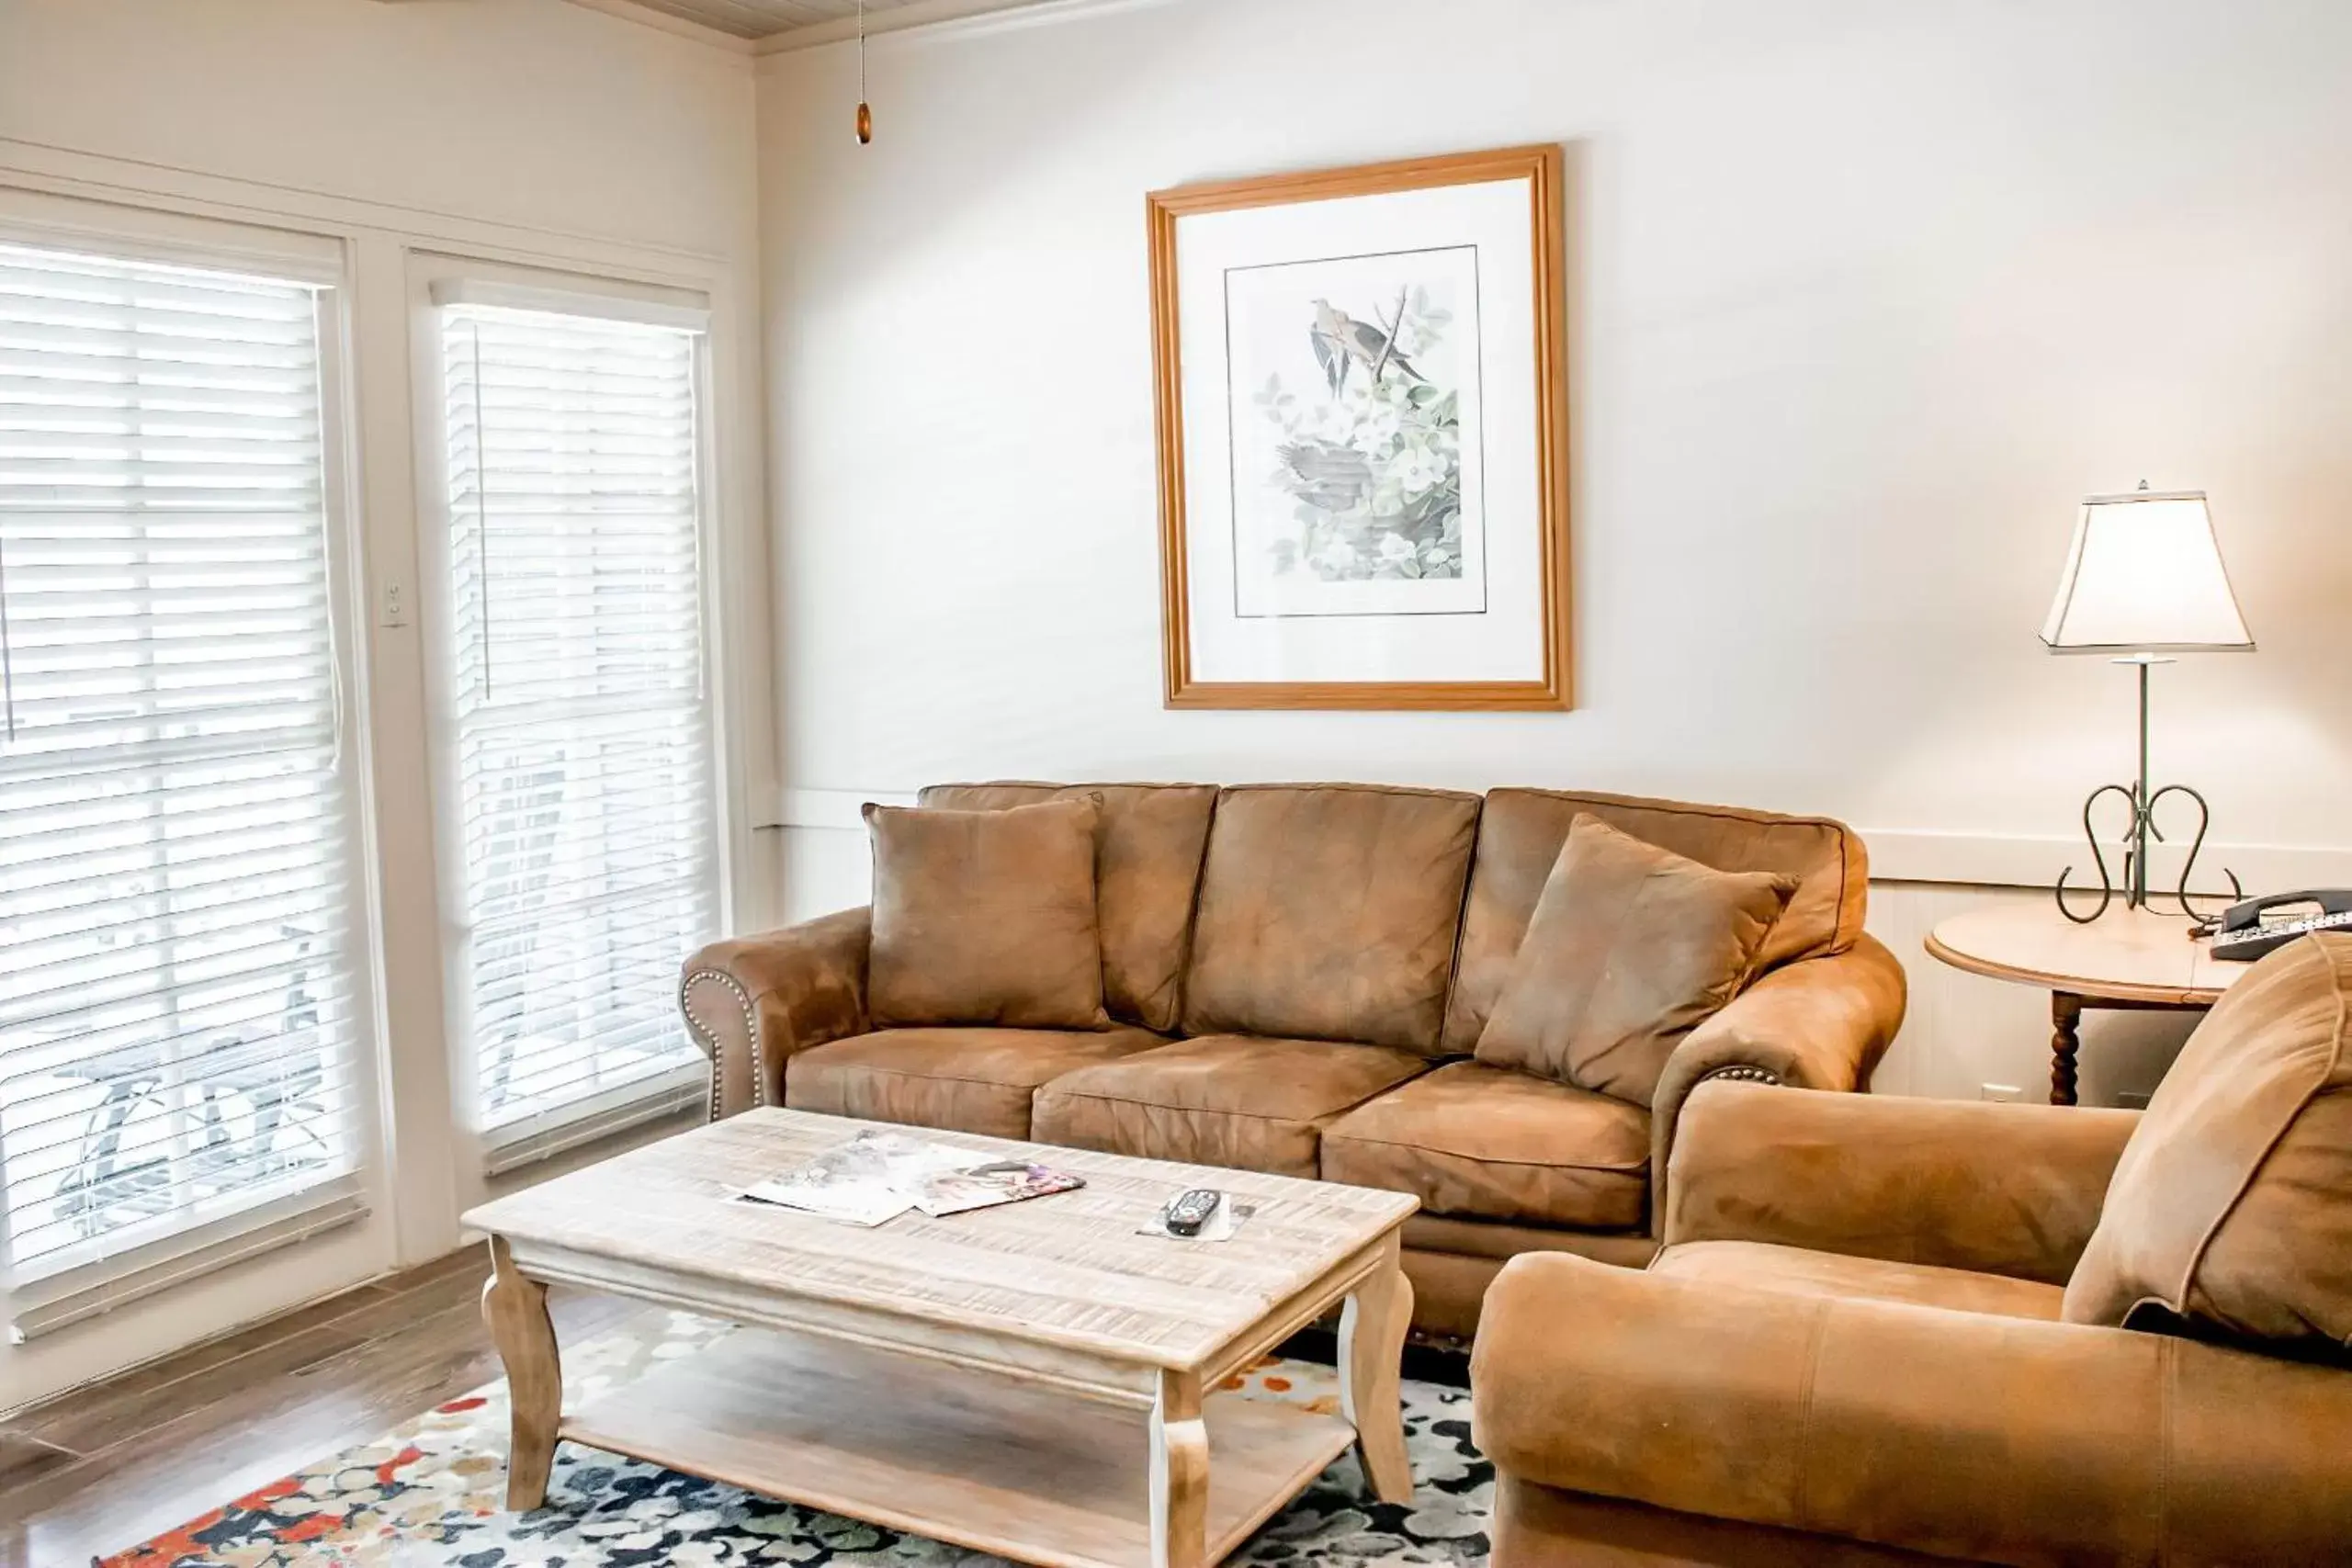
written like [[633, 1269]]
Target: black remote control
[[1189, 1210]]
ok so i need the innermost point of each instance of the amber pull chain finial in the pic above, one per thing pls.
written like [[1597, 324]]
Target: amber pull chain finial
[[865, 112]]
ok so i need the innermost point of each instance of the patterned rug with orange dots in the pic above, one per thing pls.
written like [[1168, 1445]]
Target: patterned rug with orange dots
[[430, 1494]]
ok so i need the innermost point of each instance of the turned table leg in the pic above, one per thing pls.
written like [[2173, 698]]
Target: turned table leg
[[516, 1311], [2065, 1045], [1179, 1474], [1371, 1344]]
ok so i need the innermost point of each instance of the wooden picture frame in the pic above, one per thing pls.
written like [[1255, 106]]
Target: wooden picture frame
[[1362, 364]]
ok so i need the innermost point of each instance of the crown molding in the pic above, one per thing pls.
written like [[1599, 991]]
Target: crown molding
[[947, 19], [676, 27]]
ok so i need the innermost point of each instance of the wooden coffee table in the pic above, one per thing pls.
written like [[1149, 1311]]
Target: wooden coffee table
[[1033, 1380]]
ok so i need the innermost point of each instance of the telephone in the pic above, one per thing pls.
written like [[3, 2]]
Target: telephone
[[2244, 933]]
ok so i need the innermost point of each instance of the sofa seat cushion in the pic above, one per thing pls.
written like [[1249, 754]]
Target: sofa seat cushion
[[1796, 1271], [1330, 913], [1485, 1143], [1240, 1101], [962, 1080]]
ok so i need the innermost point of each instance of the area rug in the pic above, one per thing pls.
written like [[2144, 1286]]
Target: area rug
[[430, 1494]]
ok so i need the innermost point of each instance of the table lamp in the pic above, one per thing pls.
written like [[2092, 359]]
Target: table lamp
[[2143, 582]]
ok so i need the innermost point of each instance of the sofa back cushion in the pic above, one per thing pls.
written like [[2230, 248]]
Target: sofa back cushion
[[1147, 870], [1330, 913], [1519, 836], [2232, 1206]]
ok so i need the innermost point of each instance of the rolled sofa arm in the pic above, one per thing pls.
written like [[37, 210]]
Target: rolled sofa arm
[[1817, 1023], [752, 1001], [1957, 1434], [2010, 1190]]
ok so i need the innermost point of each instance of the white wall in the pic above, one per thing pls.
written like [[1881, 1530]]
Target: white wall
[[1864, 297], [530, 133]]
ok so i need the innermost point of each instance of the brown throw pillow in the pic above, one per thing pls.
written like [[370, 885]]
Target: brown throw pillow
[[2232, 1206], [1631, 947], [986, 917]]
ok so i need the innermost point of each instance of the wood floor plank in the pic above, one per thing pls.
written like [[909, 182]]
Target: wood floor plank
[[84, 1419], [172, 1444], [25, 1459]]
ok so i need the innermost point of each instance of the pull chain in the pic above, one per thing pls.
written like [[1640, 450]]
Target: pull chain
[[864, 113]]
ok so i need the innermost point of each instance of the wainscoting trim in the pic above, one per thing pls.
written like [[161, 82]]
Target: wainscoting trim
[[1897, 854]]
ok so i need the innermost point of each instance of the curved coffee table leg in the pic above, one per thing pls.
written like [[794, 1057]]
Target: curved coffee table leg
[[1372, 1346], [516, 1311], [2065, 1042], [1179, 1474]]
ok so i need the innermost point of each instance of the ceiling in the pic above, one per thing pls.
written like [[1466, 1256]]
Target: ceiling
[[760, 19]]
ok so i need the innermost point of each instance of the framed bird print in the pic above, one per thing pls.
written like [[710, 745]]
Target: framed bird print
[[1362, 434]]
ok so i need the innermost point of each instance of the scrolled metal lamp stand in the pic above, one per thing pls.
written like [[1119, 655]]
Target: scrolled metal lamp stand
[[2140, 826]]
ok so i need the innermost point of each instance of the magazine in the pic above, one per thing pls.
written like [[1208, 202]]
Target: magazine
[[876, 1176]]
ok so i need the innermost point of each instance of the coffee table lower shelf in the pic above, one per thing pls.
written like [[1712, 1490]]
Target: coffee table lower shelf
[[965, 1457]]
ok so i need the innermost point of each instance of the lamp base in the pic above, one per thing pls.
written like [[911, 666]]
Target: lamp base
[[2140, 802]]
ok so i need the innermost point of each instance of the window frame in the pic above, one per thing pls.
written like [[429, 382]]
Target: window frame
[[74, 1283], [436, 280]]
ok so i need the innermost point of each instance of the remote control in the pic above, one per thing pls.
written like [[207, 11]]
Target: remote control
[[1189, 1210]]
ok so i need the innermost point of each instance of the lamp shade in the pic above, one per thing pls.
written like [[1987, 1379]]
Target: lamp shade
[[2145, 576]]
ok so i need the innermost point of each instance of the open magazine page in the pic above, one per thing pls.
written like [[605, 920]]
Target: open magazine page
[[1005, 1181], [876, 1176], [872, 1178]]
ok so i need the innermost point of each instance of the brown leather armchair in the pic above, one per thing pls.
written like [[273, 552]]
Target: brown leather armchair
[[1892, 1331]]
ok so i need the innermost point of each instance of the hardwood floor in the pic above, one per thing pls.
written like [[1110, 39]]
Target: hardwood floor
[[107, 1467]]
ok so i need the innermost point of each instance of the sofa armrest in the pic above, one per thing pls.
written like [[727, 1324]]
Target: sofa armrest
[[752, 1001], [2010, 1190], [1956, 1434], [1817, 1023]]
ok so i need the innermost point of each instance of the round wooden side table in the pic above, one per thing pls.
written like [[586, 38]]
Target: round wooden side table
[[2126, 960]]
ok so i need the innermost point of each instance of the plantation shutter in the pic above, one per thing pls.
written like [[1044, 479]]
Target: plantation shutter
[[584, 734], [180, 1028]]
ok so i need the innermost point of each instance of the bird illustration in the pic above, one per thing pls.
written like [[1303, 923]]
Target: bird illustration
[[1340, 339], [1326, 474]]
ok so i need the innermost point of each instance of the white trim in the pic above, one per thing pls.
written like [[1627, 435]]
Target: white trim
[[2016, 860], [1897, 854], [95, 1289], [145, 185], [677, 26], [943, 19], [635, 307], [89, 226], [836, 808]]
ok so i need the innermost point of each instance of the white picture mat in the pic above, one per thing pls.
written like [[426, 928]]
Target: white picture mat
[[1504, 642]]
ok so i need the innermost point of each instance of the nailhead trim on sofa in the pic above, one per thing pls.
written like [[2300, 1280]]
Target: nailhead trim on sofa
[[710, 1040]]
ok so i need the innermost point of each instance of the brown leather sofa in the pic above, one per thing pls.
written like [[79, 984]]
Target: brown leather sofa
[[1295, 976], [1900, 1331]]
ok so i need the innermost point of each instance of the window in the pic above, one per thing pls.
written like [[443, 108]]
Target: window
[[180, 1008], [583, 769]]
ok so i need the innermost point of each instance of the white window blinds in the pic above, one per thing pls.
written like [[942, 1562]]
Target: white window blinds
[[180, 1034], [583, 735]]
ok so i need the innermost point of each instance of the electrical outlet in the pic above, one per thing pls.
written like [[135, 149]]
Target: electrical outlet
[[2006, 1093], [392, 608]]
